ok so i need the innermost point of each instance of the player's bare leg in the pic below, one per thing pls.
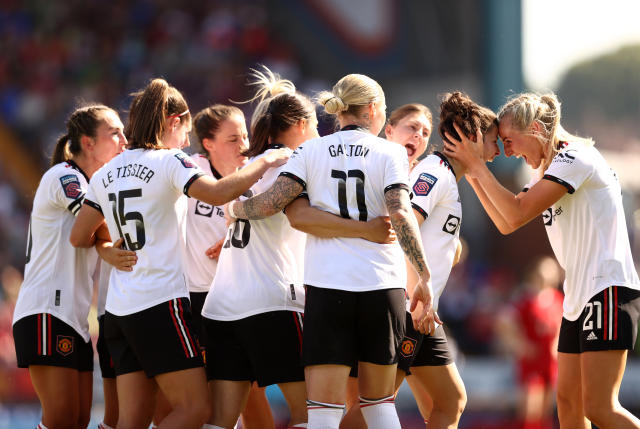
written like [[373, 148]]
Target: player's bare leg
[[136, 400], [421, 395], [110, 402], [187, 393], [354, 418], [377, 395], [58, 391], [326, 392], [229, 398], [569, 394], [257, 413], [296, 396], [602, 373], [446, 389]]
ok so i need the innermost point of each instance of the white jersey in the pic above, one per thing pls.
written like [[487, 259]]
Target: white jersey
[[57, 276], [205, 227], [436, 198], [347, 174], [587, 228], [141, 195], [260, 266], [103, 285]]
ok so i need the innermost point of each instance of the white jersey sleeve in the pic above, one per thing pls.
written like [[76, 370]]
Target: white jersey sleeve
[[570, 168], [70, 192], [57, 276]]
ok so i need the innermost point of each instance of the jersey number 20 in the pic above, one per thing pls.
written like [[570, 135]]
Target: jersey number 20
[[121, 218]]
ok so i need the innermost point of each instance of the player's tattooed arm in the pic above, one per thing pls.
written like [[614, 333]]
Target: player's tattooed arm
[[270, 202], [406, 227]]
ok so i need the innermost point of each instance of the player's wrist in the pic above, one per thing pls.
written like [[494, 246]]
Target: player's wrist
[[231, 212]]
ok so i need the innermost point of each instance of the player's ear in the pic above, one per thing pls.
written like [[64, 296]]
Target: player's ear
[[86, 142], [208, 144]]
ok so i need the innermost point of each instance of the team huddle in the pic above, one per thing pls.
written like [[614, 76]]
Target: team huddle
[[314, 263]]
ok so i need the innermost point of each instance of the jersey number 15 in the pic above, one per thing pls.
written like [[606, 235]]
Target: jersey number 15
[[121, 218]]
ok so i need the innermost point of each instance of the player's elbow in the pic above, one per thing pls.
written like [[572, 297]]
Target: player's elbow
[[77, 240]]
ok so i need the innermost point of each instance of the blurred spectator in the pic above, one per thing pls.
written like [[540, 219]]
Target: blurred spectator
[[528, 330]]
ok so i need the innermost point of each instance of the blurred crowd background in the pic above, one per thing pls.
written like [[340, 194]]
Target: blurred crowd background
[[56, 54]]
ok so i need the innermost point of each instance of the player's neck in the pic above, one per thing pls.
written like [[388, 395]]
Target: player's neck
[[459, 169], [222, 168], [87, 165]]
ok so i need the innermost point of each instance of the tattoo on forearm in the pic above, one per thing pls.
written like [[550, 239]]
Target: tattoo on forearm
[[406, 228], [270, 202]]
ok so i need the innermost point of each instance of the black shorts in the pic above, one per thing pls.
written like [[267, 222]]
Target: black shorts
[[609, 321], [197, 302], [157, 340], [43, 339], [104, 358], [343, 327], [265, 348]]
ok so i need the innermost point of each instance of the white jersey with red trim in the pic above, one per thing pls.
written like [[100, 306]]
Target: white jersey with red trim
[[587, 228], [57, 276], [260, 266], [141, 195], [347, 173], [436, 198], [206, 226]]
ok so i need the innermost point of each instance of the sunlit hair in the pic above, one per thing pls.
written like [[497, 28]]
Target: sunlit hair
[[84, 121], [351, 95], [408, 109], [523, 110], [280, 107], [207, 122], [149, 110], [458, 108]]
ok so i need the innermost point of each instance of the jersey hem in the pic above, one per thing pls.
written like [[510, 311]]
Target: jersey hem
[[572, 317], [368, 288], [85, 335], [250, 313], [146, 305]]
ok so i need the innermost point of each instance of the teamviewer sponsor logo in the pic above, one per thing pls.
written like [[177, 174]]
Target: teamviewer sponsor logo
[[452, 224]]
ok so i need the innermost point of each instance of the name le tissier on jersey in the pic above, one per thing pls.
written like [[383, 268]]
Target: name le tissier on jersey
[[141, 194]]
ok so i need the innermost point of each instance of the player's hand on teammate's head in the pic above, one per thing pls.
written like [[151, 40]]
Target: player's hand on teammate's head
[[278, 157], [213, 252], [464, 150], [380, 230]]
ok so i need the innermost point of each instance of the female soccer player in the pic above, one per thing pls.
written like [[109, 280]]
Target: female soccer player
[[148, 316], [50, 328], [580, 200], [352, 173]]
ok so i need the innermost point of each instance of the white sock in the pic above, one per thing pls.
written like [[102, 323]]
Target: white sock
[[380, 413], [103, 425], [321, 415], [41, 426], [299, 425], [206, 426]]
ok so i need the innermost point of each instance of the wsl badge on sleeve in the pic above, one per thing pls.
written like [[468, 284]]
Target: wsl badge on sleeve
[[185, 160], [71, 186], [424, 184]]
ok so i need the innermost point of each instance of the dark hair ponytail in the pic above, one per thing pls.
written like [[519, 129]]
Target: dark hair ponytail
[[84, 121], [458, 108], [148, 111]]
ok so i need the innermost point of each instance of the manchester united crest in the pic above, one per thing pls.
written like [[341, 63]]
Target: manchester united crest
[[64, 345], [408, 347]]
